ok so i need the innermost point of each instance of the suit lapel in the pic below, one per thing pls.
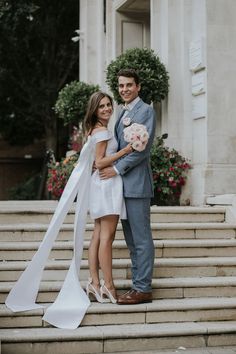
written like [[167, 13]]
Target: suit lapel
[[117, 124], [134, 111]]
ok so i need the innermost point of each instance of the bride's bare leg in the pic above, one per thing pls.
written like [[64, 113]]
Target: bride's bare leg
[[107, 235], [93, 254]]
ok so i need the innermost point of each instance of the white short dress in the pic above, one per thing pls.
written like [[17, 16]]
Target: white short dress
[[106, 196]]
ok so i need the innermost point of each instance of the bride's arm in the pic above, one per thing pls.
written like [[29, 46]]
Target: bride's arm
[[102, 161]]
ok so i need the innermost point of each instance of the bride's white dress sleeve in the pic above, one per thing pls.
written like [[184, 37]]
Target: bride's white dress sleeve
[[72, 302]]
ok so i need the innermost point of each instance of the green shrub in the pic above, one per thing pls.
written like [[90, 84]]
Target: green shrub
[[72, 101], [26, 190], [152, 73]]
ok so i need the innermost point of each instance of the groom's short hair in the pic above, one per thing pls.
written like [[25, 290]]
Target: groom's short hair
[[129, 73]]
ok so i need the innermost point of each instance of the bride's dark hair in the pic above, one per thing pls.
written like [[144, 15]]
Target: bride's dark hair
[[91, 119]]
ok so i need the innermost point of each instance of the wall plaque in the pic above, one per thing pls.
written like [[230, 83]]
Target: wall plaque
[[197, 55], [199, 83], [198, 106]]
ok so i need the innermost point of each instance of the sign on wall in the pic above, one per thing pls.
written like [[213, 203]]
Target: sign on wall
[[197, 55], [197, 66]]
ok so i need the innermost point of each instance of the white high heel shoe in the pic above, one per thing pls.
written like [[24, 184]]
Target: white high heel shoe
[[90, 289], [107, 293]]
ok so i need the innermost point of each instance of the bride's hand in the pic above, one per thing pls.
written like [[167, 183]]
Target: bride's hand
[[128, 149]]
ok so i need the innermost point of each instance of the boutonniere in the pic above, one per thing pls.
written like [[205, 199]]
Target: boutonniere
[[126, 121]]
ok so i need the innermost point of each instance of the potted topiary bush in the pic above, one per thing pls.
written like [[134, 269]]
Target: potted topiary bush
[[153, 75], [71, 107], [72, 101]]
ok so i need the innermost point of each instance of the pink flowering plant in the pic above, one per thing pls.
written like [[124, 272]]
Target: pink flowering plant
[[58, 175], [137, 135], [169, 170], [76, 139]]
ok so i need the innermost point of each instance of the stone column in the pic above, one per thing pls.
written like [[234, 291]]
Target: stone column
[[220, 173], [208, 136], [92, 42], [197, 32], [169, 38]]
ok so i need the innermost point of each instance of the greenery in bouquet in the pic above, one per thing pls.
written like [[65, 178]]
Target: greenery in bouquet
[[169, 171], [58, 175]]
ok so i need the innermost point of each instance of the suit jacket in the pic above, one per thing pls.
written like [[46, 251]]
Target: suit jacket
[[135, 167]]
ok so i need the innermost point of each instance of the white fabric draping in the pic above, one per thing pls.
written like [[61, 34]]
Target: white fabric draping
[[71, 303]]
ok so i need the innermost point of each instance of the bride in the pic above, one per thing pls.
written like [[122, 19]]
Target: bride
[[104, 200]]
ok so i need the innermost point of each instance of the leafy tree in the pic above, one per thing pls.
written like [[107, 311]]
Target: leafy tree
[[38, 58]]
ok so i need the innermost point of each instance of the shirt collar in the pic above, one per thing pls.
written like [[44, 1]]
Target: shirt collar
[[132, 104]]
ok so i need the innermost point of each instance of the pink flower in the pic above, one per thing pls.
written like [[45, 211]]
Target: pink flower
[[137, 135], [127, 134], [144, 137], [126, 121], [138, 145]]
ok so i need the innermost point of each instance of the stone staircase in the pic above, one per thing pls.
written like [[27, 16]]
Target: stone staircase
[[194, 284]]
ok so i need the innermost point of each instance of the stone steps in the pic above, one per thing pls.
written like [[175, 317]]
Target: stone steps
[[159, 311], [183, 350], [163, 288], [194, 284], [35, 232], [10, 251], [163, 268], [41, 212], [118, 338]]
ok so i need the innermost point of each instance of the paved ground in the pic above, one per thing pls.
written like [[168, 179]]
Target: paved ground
[[182, 350]]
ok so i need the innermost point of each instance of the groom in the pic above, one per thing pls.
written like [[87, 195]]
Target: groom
[[138, 189]]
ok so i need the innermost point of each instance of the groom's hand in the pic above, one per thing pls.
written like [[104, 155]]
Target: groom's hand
[[107, 172]]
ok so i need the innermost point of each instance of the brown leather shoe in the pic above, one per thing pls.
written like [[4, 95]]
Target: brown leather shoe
[[134, 297]]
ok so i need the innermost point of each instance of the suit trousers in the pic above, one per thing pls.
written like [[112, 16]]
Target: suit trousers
[[138, 237]]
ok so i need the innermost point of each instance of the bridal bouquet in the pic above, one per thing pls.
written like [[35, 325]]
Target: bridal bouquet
[[137, 135]]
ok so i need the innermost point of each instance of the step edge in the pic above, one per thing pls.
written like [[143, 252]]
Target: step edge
[[117, 332]]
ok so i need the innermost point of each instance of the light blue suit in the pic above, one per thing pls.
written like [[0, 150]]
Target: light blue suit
[[138, 189]]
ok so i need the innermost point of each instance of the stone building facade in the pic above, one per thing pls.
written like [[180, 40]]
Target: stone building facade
[[195, 40]]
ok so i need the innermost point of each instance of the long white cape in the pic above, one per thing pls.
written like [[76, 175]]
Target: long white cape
[[71, 303]]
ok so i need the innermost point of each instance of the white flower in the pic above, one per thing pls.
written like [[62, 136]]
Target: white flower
[[133, 137], [144, 136], [138, 145], [138, 128], [126, 121], [127, 134]]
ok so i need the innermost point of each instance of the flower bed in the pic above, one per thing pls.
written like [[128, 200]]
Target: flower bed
[[58, 175], [169, 171]]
